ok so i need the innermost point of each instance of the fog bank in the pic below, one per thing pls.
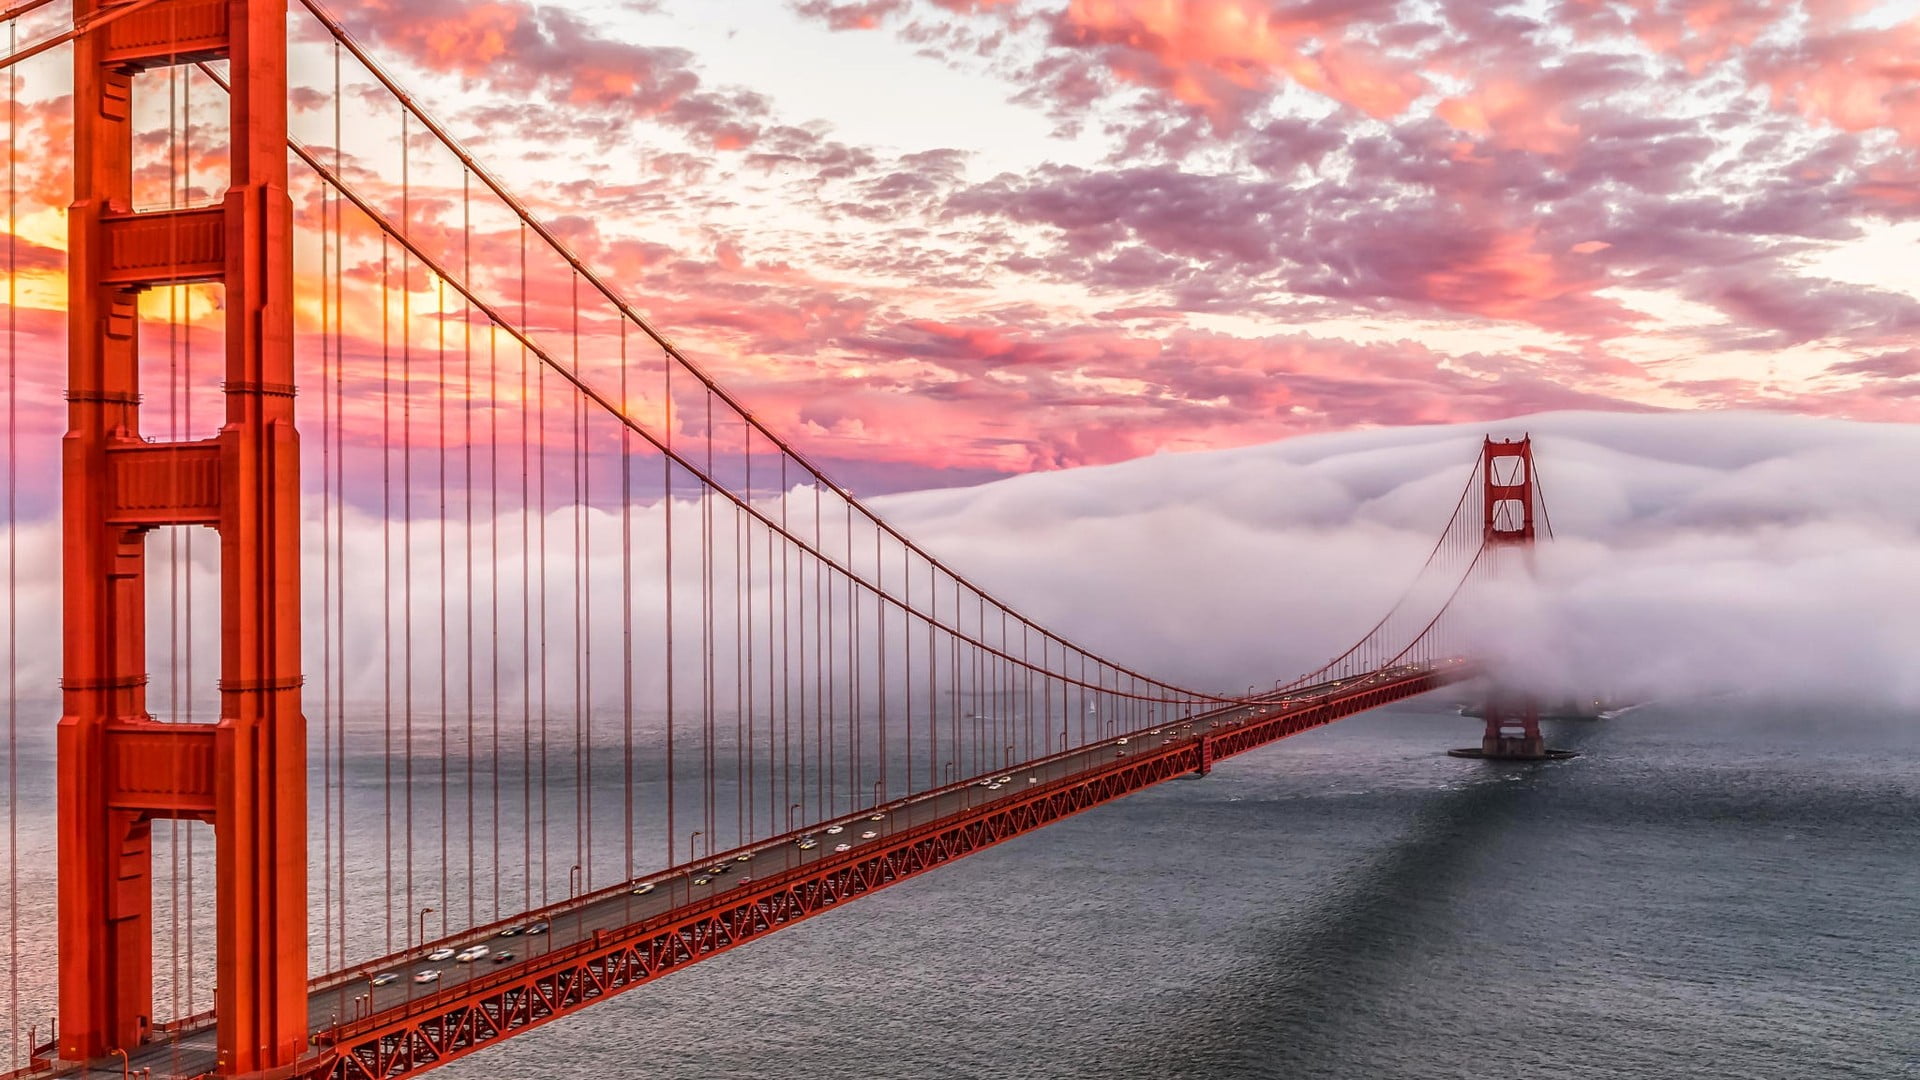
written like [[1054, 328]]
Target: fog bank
[[1692, 554]]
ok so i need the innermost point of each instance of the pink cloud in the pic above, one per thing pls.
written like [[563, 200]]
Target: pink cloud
[[1220, 56]]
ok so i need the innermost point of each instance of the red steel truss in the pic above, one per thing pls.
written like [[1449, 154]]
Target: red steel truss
[[434, 1030]]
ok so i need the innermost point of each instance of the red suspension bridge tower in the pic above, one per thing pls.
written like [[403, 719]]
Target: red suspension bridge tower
[[1508, 501], [120, 768]]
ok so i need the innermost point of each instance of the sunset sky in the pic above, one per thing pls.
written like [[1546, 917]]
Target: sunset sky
[[935, 241]]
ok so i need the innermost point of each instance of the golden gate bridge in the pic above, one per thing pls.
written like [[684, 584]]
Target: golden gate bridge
[[544, 666]]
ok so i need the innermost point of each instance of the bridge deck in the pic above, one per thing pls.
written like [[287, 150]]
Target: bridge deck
[[613, 940]]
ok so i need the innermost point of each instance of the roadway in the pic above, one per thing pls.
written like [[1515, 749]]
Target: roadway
[[351, 996]]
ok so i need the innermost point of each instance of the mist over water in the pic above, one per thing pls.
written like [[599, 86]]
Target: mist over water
[[1723, 885]]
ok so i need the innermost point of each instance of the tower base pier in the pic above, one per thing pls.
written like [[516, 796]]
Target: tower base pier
[[1513, 732], [1513, 750]]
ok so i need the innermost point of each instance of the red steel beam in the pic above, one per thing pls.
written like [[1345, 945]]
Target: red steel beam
[[434, 1030]]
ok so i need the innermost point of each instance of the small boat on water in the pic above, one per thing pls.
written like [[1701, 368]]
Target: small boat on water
[[1599, 708]]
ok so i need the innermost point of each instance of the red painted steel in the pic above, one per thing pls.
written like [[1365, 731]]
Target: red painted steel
[[119, 769], [1506, 471], [432, 1031]]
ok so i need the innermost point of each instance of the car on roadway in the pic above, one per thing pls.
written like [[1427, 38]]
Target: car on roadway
[[537, 928], [836, 830], [502, 957], [993, 787], [441, 953], [807, 843], [429, 975], [641, 889], [1006, 779], [868, 835], [717, 869], [744, 856], [702, 879], [843, 847], [1120, 741], [876, 817], [511, 931], [471, 953], [386, 978]]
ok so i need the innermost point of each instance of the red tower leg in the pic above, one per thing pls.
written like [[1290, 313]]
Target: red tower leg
[[118, 768]]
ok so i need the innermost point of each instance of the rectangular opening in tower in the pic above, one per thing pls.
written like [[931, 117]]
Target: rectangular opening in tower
[[182, 139], [1507, 470], [182, 351], [183, 624], [1509, 516], [184, 892]]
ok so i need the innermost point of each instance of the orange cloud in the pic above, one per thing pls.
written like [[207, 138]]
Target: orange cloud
[[1513, 116], [1855, 80], [1207, 53]]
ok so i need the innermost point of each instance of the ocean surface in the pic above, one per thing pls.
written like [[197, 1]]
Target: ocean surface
[[1710, 891]]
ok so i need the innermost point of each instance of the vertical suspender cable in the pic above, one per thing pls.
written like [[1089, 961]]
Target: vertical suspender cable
[[327, 660], [13, 571], [440, 653], [467, 538], [706, 648], [880, 669], [339, 524], [626, 612], [496, 567], [822, 645], [386, 570], [526, 605], [666, 518], [742, 653], [546, 579], [582, 621], [186, 413], [406, 503], [786, 658], [174, 674]]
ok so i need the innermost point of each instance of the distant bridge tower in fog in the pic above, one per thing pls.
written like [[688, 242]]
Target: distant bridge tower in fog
[[1510, 502]]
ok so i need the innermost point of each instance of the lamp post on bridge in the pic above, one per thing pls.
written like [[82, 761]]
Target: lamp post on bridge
[[580, 912], [125, 1064], [687, 878], [790, 811], [946, 773], [424, 912]]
